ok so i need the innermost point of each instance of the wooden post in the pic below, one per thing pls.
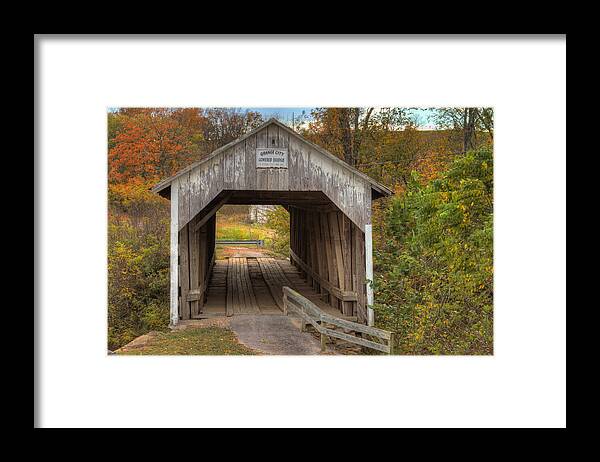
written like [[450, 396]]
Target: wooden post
[[194, 243], [314, 252], [212, 234], [174, 253], [392, 343], [331, 270], [184, 274], [338, 259], [202, 270], [321, 264], [369, 273], [359, 270], [346, 240]]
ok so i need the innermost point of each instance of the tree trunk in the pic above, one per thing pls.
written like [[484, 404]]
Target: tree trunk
[[469, 117], [345, 135]]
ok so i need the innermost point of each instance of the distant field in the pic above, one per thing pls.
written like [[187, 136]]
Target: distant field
[[242, 231], [236, 227]]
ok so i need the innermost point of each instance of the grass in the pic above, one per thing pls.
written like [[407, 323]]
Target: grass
[[237, 231], [199, 341]]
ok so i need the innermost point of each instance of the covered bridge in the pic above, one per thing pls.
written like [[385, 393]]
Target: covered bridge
[[329, 203]]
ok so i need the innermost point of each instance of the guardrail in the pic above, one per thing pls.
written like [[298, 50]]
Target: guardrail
[[344, 295], [313, 315], [257, 242]]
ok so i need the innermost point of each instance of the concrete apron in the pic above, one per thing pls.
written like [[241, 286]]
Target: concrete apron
[[274, 335]]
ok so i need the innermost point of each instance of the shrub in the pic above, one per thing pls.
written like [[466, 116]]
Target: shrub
[[434, 263], [278, 220], [138, 282]]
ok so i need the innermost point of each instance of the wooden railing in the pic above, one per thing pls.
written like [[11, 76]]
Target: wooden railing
[[257, 242], [344, 295], [322, 322]]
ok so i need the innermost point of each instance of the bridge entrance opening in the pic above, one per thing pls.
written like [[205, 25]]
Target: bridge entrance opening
[[249, 268]]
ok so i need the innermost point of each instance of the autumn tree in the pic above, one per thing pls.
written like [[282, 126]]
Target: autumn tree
[[341, 130], [148, 145], [345, 131], [469, 121], [223, 125]]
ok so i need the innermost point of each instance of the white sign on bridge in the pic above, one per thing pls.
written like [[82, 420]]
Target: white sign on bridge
[[271, 158]]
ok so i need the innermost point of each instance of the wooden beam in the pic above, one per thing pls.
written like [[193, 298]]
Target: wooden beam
[[345, 236], [184, 272], [314, 208], [358, 272], [339, 293], [174, 254], [316, 265], [194, 243], [320, 252], [369, 273], [331, 271], [212, 211], [203, 263], [334, 231], [229, 287], [212, 234]]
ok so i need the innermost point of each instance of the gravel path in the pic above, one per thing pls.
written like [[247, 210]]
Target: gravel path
[[274, 335]]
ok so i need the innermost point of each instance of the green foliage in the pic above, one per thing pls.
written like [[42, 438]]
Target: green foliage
[[278, 220], [434, 266], [138, 282]]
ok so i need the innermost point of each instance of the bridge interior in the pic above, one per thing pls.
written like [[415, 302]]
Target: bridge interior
[[326, 263], [253, 285]]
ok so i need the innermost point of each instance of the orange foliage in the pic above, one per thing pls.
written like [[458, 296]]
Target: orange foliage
[[148, 147], [153, 143], [134, 190]]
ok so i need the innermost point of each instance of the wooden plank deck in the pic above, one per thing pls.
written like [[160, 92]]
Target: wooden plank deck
[[306, 290], [247, 285], [240, 294], [274, 278]]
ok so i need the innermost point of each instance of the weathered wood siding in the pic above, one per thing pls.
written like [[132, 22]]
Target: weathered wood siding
[[329, 250], [308, 170], [196, 258]]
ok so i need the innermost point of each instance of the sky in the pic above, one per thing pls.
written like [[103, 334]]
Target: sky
[[284, 112], [424, 116]]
